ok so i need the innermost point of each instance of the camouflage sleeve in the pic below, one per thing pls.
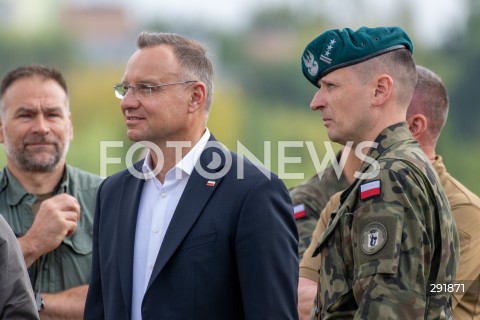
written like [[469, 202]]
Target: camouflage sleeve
[[304, 198], [309, 265], [393, 243], [312, 196]]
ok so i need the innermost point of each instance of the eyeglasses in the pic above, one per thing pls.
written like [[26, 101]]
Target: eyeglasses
[[142, 89]]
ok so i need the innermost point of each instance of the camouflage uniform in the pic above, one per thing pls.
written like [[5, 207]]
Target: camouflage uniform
[[314, 194], [391, 237]]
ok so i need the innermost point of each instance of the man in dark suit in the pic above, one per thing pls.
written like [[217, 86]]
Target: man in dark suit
[[192, 231]]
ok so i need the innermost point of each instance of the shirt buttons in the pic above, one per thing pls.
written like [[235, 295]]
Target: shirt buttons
[[164, 195], [151, 267], [156, 230]]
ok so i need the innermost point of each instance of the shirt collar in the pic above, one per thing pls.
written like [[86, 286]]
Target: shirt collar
[[16, 192], [185, 166]]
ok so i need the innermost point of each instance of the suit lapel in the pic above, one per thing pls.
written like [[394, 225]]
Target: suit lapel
[[196, 194], [127, 212]]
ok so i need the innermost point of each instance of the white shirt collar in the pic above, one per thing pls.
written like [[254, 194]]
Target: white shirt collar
[[185, 166]]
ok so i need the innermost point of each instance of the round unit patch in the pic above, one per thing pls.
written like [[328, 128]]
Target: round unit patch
[[374, 237]]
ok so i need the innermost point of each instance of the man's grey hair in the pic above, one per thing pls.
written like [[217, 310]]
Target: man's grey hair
[[191, 55]]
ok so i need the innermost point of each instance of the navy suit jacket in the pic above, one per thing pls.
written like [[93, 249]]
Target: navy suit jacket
[[230, 251]]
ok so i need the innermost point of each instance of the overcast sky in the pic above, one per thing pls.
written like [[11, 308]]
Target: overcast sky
[[432, 18]]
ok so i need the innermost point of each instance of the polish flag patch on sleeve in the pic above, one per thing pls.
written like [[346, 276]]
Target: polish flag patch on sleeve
[[299, 211], [370, 189]]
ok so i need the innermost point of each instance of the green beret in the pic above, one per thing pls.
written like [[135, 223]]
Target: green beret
[[339, 48]]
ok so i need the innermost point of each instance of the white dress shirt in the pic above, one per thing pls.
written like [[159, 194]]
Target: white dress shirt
[[157, 205]]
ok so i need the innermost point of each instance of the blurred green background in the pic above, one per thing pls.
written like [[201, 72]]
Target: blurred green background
[[260, 92]]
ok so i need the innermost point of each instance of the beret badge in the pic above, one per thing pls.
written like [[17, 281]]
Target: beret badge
[[310, 63]]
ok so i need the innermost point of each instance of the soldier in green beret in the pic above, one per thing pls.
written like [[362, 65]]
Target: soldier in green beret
[[426, 116], [393, 234]]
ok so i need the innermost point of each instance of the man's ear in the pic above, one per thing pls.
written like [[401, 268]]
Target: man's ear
[[383, 89], [417, 124], [198, 96]]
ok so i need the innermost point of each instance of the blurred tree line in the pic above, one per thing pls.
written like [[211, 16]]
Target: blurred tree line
[[260, 94]]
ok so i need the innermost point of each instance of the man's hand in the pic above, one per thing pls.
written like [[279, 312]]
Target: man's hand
[[307, 289], [56, 218]]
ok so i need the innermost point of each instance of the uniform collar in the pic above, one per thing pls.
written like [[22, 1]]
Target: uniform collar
[[395, 134], [15, 192], [389, 136], [440, 169], [438, 164]]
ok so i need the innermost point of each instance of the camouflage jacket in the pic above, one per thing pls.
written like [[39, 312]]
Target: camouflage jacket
[[390, 239], [314, 194]]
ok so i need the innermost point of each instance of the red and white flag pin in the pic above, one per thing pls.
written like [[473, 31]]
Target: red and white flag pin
[[210, 183], [370, 189]]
